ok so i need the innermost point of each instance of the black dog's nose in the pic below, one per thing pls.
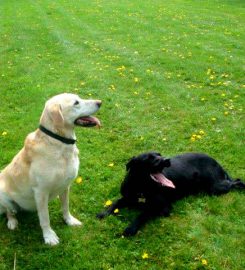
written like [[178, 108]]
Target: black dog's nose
[[98, 103]]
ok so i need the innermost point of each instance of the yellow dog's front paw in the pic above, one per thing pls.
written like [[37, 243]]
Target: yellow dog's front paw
[[72, 221], [50, 237]]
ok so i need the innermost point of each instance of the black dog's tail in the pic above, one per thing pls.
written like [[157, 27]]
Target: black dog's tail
[[238, 184], [226, 185]]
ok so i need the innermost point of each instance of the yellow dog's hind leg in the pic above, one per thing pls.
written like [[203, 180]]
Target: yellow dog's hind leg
[[12, 221]]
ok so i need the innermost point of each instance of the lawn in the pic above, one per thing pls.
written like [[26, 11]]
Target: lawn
[[171, 78]]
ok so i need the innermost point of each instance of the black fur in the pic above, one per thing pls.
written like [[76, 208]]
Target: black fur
[[191, 173]]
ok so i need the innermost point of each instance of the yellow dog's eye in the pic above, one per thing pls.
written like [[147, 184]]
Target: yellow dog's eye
[[76, 102]]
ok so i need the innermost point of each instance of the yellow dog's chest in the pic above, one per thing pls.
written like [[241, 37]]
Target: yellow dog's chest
[[65, 172]]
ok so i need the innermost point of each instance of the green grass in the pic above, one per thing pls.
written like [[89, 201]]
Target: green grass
[[163, 69]]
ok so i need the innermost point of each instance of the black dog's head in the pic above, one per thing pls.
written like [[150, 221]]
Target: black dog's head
[[148, 167]]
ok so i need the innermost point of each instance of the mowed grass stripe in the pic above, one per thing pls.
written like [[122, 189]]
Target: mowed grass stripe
[[81, 47], [176, 91]]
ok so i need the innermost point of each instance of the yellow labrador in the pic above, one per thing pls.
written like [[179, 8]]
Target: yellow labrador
[[48, 162]]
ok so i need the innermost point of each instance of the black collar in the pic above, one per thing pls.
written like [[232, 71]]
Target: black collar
[[56, 136]]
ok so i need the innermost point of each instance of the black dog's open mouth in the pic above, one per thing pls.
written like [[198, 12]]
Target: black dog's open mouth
[[87, 121], [162, 180]]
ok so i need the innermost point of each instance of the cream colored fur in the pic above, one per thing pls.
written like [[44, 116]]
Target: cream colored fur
[[45, 167]]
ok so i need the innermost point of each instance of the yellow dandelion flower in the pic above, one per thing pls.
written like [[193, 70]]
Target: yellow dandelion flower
[[79, 180], [209, 71], [111, 164], [199, 137], [226, 113], [108, 203], [112, 87], [136, 79], [116, 211], [193, 137], [201, 132], [213, 119], [203, 99], [145, 256], [204, 262], [4, 133], [122, 68]]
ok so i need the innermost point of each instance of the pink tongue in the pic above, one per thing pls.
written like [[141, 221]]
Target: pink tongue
[[89, 119], [161, 179]]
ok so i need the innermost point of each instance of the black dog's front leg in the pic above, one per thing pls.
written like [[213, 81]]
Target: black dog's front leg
[[133, 228], [121, 203], [149, 213]]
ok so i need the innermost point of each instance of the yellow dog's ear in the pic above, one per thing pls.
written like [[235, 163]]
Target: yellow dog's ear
[[56, 115], [52, 113]]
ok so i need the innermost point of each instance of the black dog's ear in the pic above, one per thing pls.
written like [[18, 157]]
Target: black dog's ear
[[167, 162], [131, 162]]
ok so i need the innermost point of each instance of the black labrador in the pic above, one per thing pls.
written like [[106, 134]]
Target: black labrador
[[155, 182]]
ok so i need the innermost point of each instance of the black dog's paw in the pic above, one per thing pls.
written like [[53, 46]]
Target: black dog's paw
[[101, 215], [130, 231]]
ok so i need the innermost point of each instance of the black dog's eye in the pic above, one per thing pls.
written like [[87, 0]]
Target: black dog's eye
[[76, 102]]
